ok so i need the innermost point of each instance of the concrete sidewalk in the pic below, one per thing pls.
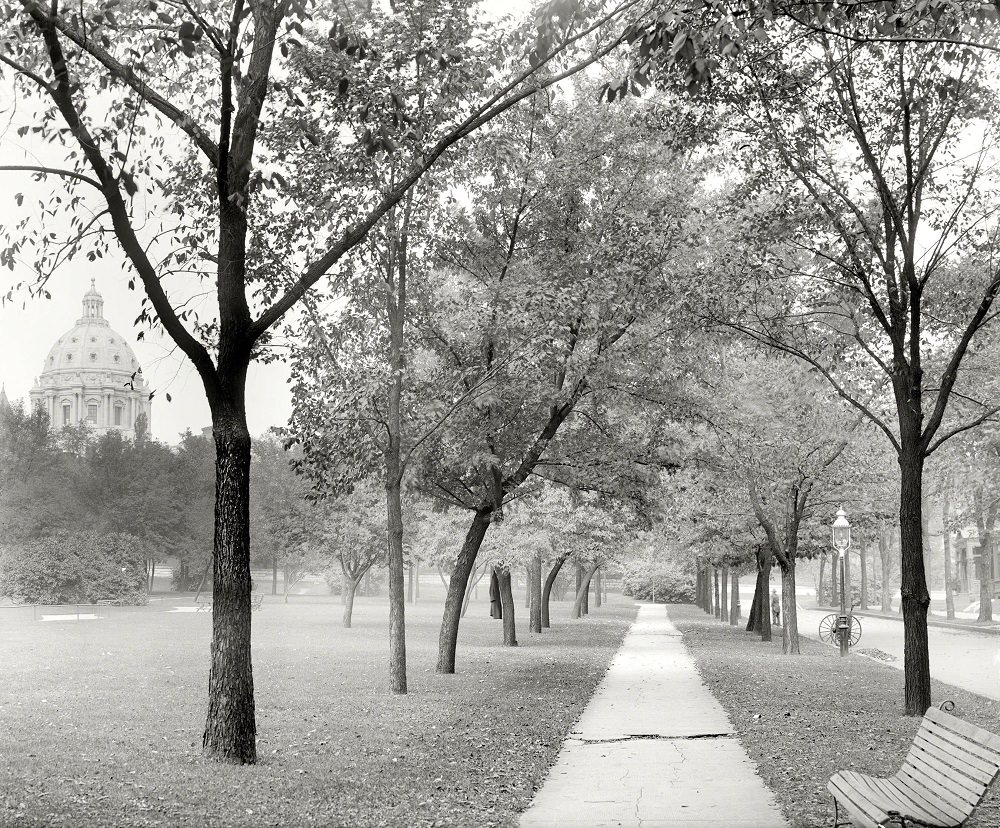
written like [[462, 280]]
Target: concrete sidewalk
[[653, 747]]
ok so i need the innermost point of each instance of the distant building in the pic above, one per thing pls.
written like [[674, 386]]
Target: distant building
[[966, 548], [91, 376]]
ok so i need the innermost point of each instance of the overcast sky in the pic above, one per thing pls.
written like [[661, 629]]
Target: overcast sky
[[29, 328]]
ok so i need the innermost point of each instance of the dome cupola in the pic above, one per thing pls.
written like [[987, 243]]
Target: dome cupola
[[93, 307]]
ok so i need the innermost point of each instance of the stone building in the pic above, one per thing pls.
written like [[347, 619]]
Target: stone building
[[91, 376]]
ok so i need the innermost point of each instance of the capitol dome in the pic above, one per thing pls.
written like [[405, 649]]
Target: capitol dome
[[91, 375]]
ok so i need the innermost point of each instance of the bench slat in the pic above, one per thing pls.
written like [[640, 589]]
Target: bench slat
[[886, 795], [863, 812], [922, 786], [980, 736], [969, 788], [971, 766], [960, 742], [900, 798]]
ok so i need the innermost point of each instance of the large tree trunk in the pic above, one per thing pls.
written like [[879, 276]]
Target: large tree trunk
[[409, 583], [765, 610], [585, 606], [350, 588], [863, 547], [790, 624], [550, 579], [715, 584], [985, 518], [535, 594], [916, 661], [724, 595], [760, 612], [698, 581], [507, 601], [152, 575], [597, 588], [448, 639], [949, 595], [395, 306], [274, 575], [230, 727], [734, 600], [397, 596], [753, 618], [984, 571], [527, 586], [581, 593]]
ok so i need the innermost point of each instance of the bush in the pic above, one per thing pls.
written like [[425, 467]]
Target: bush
[[665, 580], [75, 568]]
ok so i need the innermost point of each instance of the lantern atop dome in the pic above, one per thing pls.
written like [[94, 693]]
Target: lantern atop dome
[[93, 305]]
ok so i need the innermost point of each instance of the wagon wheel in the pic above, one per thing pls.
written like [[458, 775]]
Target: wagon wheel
[[828, 629], [855, 631]]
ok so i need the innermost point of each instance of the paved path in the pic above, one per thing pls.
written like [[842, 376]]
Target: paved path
[[652, 748]]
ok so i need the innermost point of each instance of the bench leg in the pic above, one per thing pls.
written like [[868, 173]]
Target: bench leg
[[836, 817]]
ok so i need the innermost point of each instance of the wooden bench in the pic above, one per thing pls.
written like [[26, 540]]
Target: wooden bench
[[942, 780]]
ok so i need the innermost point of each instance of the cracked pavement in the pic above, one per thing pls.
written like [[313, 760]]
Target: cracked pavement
[[653, 748]]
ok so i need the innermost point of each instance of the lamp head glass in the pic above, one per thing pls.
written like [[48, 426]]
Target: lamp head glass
[[841, 532]]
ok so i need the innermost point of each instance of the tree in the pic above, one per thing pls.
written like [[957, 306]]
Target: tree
[[281, 517], [870, 294], [781, 433], [698, 44], [353, 531], [195, 470], [974, 467], [138, 487], [377, 276], [220, 80], [552, 273], [32, 471]]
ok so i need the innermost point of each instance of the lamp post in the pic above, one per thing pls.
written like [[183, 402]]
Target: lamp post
[[841, 542]]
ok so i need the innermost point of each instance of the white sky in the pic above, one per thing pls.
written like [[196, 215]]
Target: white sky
[[28, 328]]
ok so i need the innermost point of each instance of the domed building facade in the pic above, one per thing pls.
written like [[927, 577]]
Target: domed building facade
[[91, 376]]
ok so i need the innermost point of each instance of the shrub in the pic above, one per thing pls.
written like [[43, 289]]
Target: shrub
[[75, 568], [665, 580]]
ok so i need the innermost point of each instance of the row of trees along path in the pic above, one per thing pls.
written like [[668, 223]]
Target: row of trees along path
[[99, 79], [90, 79]]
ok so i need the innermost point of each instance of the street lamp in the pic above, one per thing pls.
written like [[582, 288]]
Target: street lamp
[[841, 542]]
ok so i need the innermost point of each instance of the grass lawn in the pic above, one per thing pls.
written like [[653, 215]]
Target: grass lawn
[[802, 718], [101, 720]]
